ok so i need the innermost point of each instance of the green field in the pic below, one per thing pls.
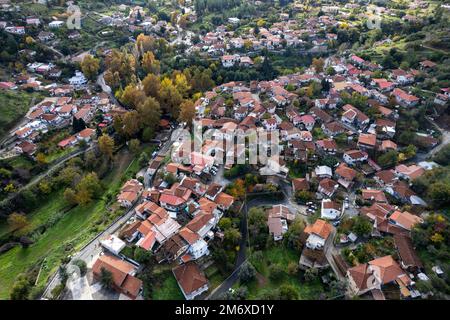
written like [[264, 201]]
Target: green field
[[13, 106], [66, 236], [282, 256]]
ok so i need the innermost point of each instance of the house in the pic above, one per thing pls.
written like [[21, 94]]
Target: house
[[317, 236], [352, 157], [308, 121], [409, 172], [323, 172], [427, 65], [229, 61], [385, 177], [175, 198], [300, 184], [19, 30], [375, 274], [402, 77], [78, 79], [354, 116], [404, 99], [24, 132], [123, 274], [345, 175], [408, 257], [387, 145], [213, 191], [129, 193], [224, 201], [330, 209], [367, 141], [56, 24], [277, 221], [405, 219], [68, 142], [202, 223], [86, 135], [373, 195], [197, 246], [33, 21], [328, 187], [45, 36], [26, 147], [333, 128], [191, 280], [270, 124], [327, 145], [112, 244]]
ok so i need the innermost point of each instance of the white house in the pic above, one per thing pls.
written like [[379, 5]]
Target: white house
[[56, 24], [78, 79], [113, 244], [330, 209], [353, 156]]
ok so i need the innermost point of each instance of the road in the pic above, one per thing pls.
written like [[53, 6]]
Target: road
[[243, 244], [445, 141], [93, 248], [57, 164]]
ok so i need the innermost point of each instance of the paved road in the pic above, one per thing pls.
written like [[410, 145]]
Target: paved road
[[243, 244], [93, 248]]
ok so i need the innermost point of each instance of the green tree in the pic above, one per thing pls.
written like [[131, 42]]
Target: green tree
[[17, 221], [106, 146], [106, 278], [90, 66]]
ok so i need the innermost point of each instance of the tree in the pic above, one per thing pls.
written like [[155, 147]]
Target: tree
[[388, 159], [232, 236], [303, 196], [187, 112], [362, 226], [410, 151], [152, 85], [276, 272], [292, 238], [83, 197], [41, 159], [81, 264], [225, 223], [131, 123], [288, 292], [134, 146], [318, 64], [181, 84], [90, 183], [17, 221], [311, 274], [247, 272], [150, 64], [45, 187], [106, 145], [170, 98], [292, 268], [143, 159], [21, 288], [106, 278], [132, 96], [90, 66], [150, 113]]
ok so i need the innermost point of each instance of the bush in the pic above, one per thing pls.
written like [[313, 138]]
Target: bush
[[81, 265], [276, 272], [247, 272]]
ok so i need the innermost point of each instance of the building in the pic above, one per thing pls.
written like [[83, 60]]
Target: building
[[331, 210], [123, 274], [191, 280]]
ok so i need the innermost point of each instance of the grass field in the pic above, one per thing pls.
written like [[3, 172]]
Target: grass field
[[13, 106], [281, 256], [66, 236]]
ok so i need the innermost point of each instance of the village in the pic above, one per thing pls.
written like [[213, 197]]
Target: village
[[337, 213]]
